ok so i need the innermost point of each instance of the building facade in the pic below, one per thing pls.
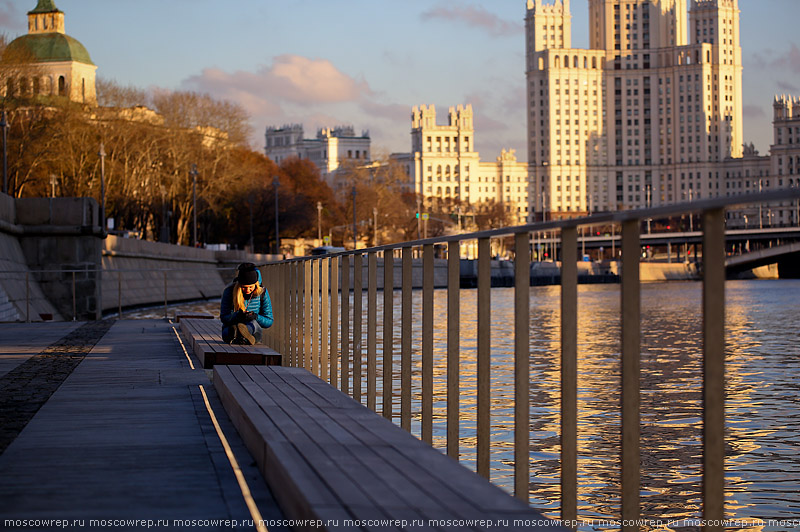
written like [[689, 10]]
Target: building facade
[[328, 150], [47, 62], [444, 166], [780, 169], [643, 118]]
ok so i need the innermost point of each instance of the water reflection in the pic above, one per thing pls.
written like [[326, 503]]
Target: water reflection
[[762, 420]]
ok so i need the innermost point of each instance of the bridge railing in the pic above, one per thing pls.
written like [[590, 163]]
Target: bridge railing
[[314, 325]]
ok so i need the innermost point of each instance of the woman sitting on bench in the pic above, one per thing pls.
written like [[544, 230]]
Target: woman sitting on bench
[[245, 308]]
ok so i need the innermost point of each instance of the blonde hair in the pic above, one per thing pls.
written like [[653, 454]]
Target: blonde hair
[[238, 296]]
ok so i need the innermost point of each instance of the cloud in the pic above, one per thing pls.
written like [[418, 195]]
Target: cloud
[[753, 111], [770, 59], [290, 78], [787, 87], [296, 89], [475, 17]]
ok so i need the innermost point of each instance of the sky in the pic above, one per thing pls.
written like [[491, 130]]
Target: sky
[[366, 63]]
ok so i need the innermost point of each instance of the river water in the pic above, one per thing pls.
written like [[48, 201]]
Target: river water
[[762, 385]]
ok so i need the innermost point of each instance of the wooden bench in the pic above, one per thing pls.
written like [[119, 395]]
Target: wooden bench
[[204, 336], [193, 316], [327, 457]]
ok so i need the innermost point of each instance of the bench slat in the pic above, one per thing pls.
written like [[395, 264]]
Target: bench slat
[[350, 461], [204, 338]]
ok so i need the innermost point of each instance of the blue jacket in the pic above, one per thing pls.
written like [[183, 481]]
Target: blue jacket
[[261, 305]]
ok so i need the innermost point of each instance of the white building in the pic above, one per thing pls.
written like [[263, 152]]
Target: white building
[[328, 151], [443, 164]]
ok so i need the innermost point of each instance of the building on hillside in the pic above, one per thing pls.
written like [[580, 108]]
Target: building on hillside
[[644, 117], [47, 61], [443, 165], [328, 150]]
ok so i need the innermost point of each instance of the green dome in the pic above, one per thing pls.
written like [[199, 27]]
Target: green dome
[[45, 47]]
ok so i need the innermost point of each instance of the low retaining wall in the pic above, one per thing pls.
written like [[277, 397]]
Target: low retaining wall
[[140, 272]]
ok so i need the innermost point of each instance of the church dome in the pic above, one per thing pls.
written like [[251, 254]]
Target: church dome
[[46, 47]]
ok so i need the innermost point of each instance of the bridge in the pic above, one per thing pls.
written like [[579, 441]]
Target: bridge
[[786, 256]]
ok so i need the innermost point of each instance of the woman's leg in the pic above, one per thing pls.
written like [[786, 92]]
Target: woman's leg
[[228, 334], [251, 332]]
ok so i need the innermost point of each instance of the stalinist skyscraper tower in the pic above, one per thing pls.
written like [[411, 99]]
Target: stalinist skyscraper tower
[[642, 118]]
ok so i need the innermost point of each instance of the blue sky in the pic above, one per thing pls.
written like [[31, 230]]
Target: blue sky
[[366, 63]]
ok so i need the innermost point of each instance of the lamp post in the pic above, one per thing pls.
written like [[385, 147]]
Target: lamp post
[[164, 227], [760, 223], [5, 125], [355, 239], [375, 227], [250, 204], [648, 206], [319, 223], [102, 154], [419, 215], [193, 172], [53, 181], [275, 184]]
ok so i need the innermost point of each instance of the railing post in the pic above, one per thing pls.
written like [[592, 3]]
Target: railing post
[[714, 368], [306, 330], [405, 341], [388, 332], [27, 297], [334, 343], [630, 307], [299, 349], [325, 274], [569, 374], [427, 343], [484, 355], [75, 298], [290, 318], [522, 289], [165, 293], [345, 373], [358, 293], [372, 330], [315, 315], [119, 294], [453, 347]]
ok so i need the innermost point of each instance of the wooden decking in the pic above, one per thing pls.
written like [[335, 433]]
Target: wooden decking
[[126, 437], [327, 457], [204, 338]]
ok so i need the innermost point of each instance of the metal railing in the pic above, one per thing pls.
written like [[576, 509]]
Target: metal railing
[[311, 302]]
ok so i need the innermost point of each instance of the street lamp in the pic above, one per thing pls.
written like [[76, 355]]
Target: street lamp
[[193, 172], [102, 154], [53, 181], [760, 223], [250, 204], [5, 125], [375, 227], [355, 241], [275, 184], [164, 227], [319, 223]]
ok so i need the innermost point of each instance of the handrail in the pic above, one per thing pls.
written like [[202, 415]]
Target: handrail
[[301, 325]]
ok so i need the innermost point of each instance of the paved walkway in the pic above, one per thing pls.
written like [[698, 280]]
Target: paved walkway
[[125, 435]]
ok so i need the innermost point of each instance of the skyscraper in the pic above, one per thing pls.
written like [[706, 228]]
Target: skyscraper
[[644, 117]]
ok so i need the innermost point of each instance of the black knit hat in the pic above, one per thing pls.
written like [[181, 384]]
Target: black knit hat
[[247, 273]]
